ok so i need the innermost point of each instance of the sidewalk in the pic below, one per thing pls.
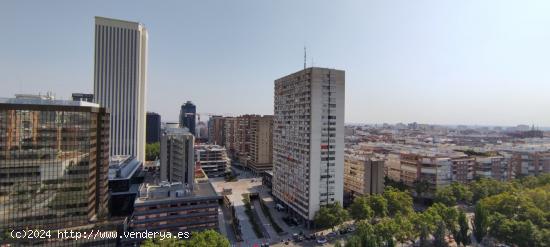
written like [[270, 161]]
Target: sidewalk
[[273, 236]]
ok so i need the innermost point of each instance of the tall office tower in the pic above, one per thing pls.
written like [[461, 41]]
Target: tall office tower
[[54, 161], [308, 140], [153, 127], [188, 112], [261, 144], [177, 158], [120, 79], [216, 131]]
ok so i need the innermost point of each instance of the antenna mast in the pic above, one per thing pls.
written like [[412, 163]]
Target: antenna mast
[[305, 55]]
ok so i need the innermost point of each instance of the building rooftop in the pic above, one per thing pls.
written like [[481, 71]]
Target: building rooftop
[[48, 99], [123, 167], [172, 191]]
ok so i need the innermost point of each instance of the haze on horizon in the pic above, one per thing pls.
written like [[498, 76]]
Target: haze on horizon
[[440, 62]]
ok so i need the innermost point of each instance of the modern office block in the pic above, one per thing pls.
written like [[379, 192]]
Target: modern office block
[[177, 157], [125, 176], [212, 159], [120, 79], [188, 113], [54, 158], [171, 207], [308, 140], [153, 127]]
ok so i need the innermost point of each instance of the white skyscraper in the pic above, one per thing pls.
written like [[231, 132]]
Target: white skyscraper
[[308, 140], [120, 79]]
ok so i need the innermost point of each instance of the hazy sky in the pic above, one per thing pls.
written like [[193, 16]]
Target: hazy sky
[[447, 62]]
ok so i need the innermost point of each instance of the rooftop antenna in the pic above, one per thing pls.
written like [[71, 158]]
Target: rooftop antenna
[[305, 56]]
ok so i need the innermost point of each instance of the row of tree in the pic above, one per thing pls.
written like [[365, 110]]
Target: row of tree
[[208, 238], [515, 212], [518, 214], [383, 220]]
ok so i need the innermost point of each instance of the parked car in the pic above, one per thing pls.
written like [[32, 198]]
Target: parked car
[[331, 234], [322, 240], [279, 207]]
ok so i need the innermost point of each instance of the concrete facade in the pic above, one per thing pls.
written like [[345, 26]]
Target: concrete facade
[[308, 140]]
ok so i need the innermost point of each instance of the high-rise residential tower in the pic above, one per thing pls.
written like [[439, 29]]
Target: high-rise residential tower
[[308, 140], [187, 116], [120, 79]]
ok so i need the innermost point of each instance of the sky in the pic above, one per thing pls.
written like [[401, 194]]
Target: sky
[[476, 62]]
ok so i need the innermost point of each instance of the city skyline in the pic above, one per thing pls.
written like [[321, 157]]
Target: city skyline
[[478, 63]]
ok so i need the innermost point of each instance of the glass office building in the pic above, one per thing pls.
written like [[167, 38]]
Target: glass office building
[[54, 158]]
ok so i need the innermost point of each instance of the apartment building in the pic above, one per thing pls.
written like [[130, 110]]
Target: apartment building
[[308, 140], [463, 169], [249, 140], [216, 130], [497, 167], [261, 144], [527, 163], [363, 175]]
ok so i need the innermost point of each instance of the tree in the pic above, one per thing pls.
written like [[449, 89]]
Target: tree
[[420, 186], [207, 238], [152, 151], [481, 221], [330, 216], [385, 230], [360, 209], [449, 216], [406, 230], [425, 224], [439, 235], [379, 205], [462, 236], [399, 202]]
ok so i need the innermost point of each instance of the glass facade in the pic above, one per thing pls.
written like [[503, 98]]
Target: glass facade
[[53, 166]]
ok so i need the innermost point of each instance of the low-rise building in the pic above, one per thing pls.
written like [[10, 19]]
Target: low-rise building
[[175, 207], [212, 159], [124, 180]]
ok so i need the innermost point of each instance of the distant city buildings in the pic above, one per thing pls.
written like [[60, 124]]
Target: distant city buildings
[[187, 117], [177, 159], [120, 75], [153, 127], [249, 140], [212, 159], [54, 159], [308, 140], [363, 175], [83, 97]]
